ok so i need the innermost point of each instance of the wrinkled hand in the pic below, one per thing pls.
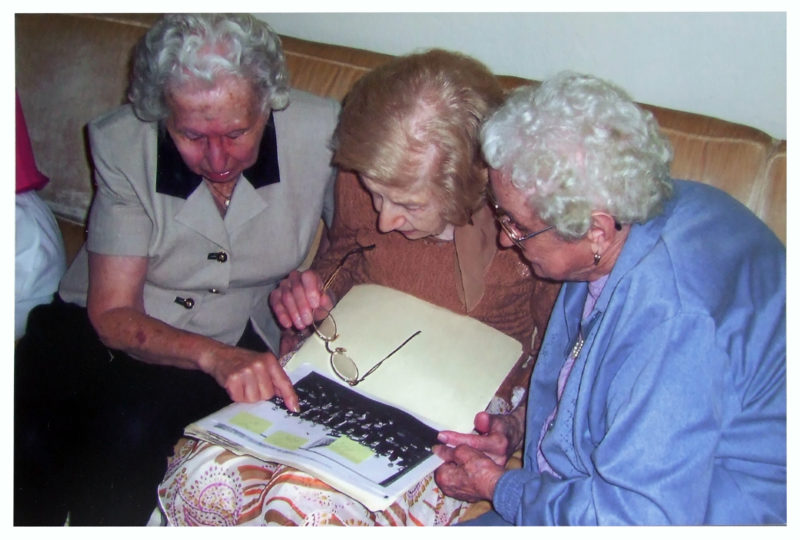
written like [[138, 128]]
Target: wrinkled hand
[[467, 474], [297, 297], [250, 376], [498, 435], [473, 463]]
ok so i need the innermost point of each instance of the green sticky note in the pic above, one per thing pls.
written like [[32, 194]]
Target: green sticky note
[[286, 440], [251, 422], [351, 450]]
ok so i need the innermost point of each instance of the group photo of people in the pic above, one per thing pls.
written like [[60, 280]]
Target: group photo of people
[[233, 210]]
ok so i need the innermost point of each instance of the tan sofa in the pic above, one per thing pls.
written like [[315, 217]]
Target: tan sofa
[[71, 68]]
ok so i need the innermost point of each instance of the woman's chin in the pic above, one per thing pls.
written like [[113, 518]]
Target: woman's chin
[[414, 235]]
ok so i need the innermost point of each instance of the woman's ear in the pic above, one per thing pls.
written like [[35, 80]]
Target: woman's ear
[[602, 230]]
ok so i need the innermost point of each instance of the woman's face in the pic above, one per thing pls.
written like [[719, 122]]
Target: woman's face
[[415, 211], [549, 255], [216, 130]]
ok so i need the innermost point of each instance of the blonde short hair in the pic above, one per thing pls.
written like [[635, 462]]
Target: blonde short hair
[[418, 117]]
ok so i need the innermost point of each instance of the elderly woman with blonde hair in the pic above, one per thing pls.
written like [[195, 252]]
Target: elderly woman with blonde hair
[[659, 395]]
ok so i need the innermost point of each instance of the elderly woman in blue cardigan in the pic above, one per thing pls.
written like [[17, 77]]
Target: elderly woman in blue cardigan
[[659, 394]]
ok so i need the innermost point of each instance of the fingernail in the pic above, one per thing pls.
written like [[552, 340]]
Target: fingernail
[[442, 437]]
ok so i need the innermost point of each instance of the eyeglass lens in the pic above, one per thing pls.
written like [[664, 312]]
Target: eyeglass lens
[[344, 366], [502, 217], [326, 328]]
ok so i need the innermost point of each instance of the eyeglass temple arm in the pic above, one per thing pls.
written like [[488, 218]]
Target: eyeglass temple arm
[[385, 358], [339, 266]]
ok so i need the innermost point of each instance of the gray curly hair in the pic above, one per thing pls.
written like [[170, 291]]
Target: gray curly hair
[[183, 47], [577, 144]]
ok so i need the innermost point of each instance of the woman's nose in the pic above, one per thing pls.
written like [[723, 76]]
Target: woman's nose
[[216, 156], [389, 218]]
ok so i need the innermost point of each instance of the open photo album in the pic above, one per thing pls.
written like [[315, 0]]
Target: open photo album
[[433, 370]]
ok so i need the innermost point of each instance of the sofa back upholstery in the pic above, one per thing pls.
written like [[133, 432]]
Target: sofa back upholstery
[[71, 68]]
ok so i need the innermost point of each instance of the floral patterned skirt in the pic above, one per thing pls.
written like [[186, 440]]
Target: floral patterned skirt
[[208, 485]]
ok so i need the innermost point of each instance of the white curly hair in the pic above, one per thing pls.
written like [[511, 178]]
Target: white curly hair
[[577, 144], [205, 47]]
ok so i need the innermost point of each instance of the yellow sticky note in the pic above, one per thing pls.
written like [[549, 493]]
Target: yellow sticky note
[[286, 440], [251, 422], [351, 450]]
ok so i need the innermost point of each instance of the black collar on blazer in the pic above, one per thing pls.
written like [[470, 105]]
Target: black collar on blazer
[[174, 178]]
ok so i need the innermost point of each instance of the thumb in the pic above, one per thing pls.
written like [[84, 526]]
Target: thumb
[[483, 422]]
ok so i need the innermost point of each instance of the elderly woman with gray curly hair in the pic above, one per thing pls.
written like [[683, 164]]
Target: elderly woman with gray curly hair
[[210, 189], [659, 395]]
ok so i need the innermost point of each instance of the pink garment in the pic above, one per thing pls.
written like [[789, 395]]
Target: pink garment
[[28, 176]]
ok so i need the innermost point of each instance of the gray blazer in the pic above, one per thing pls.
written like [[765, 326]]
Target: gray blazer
[[206, 274]]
